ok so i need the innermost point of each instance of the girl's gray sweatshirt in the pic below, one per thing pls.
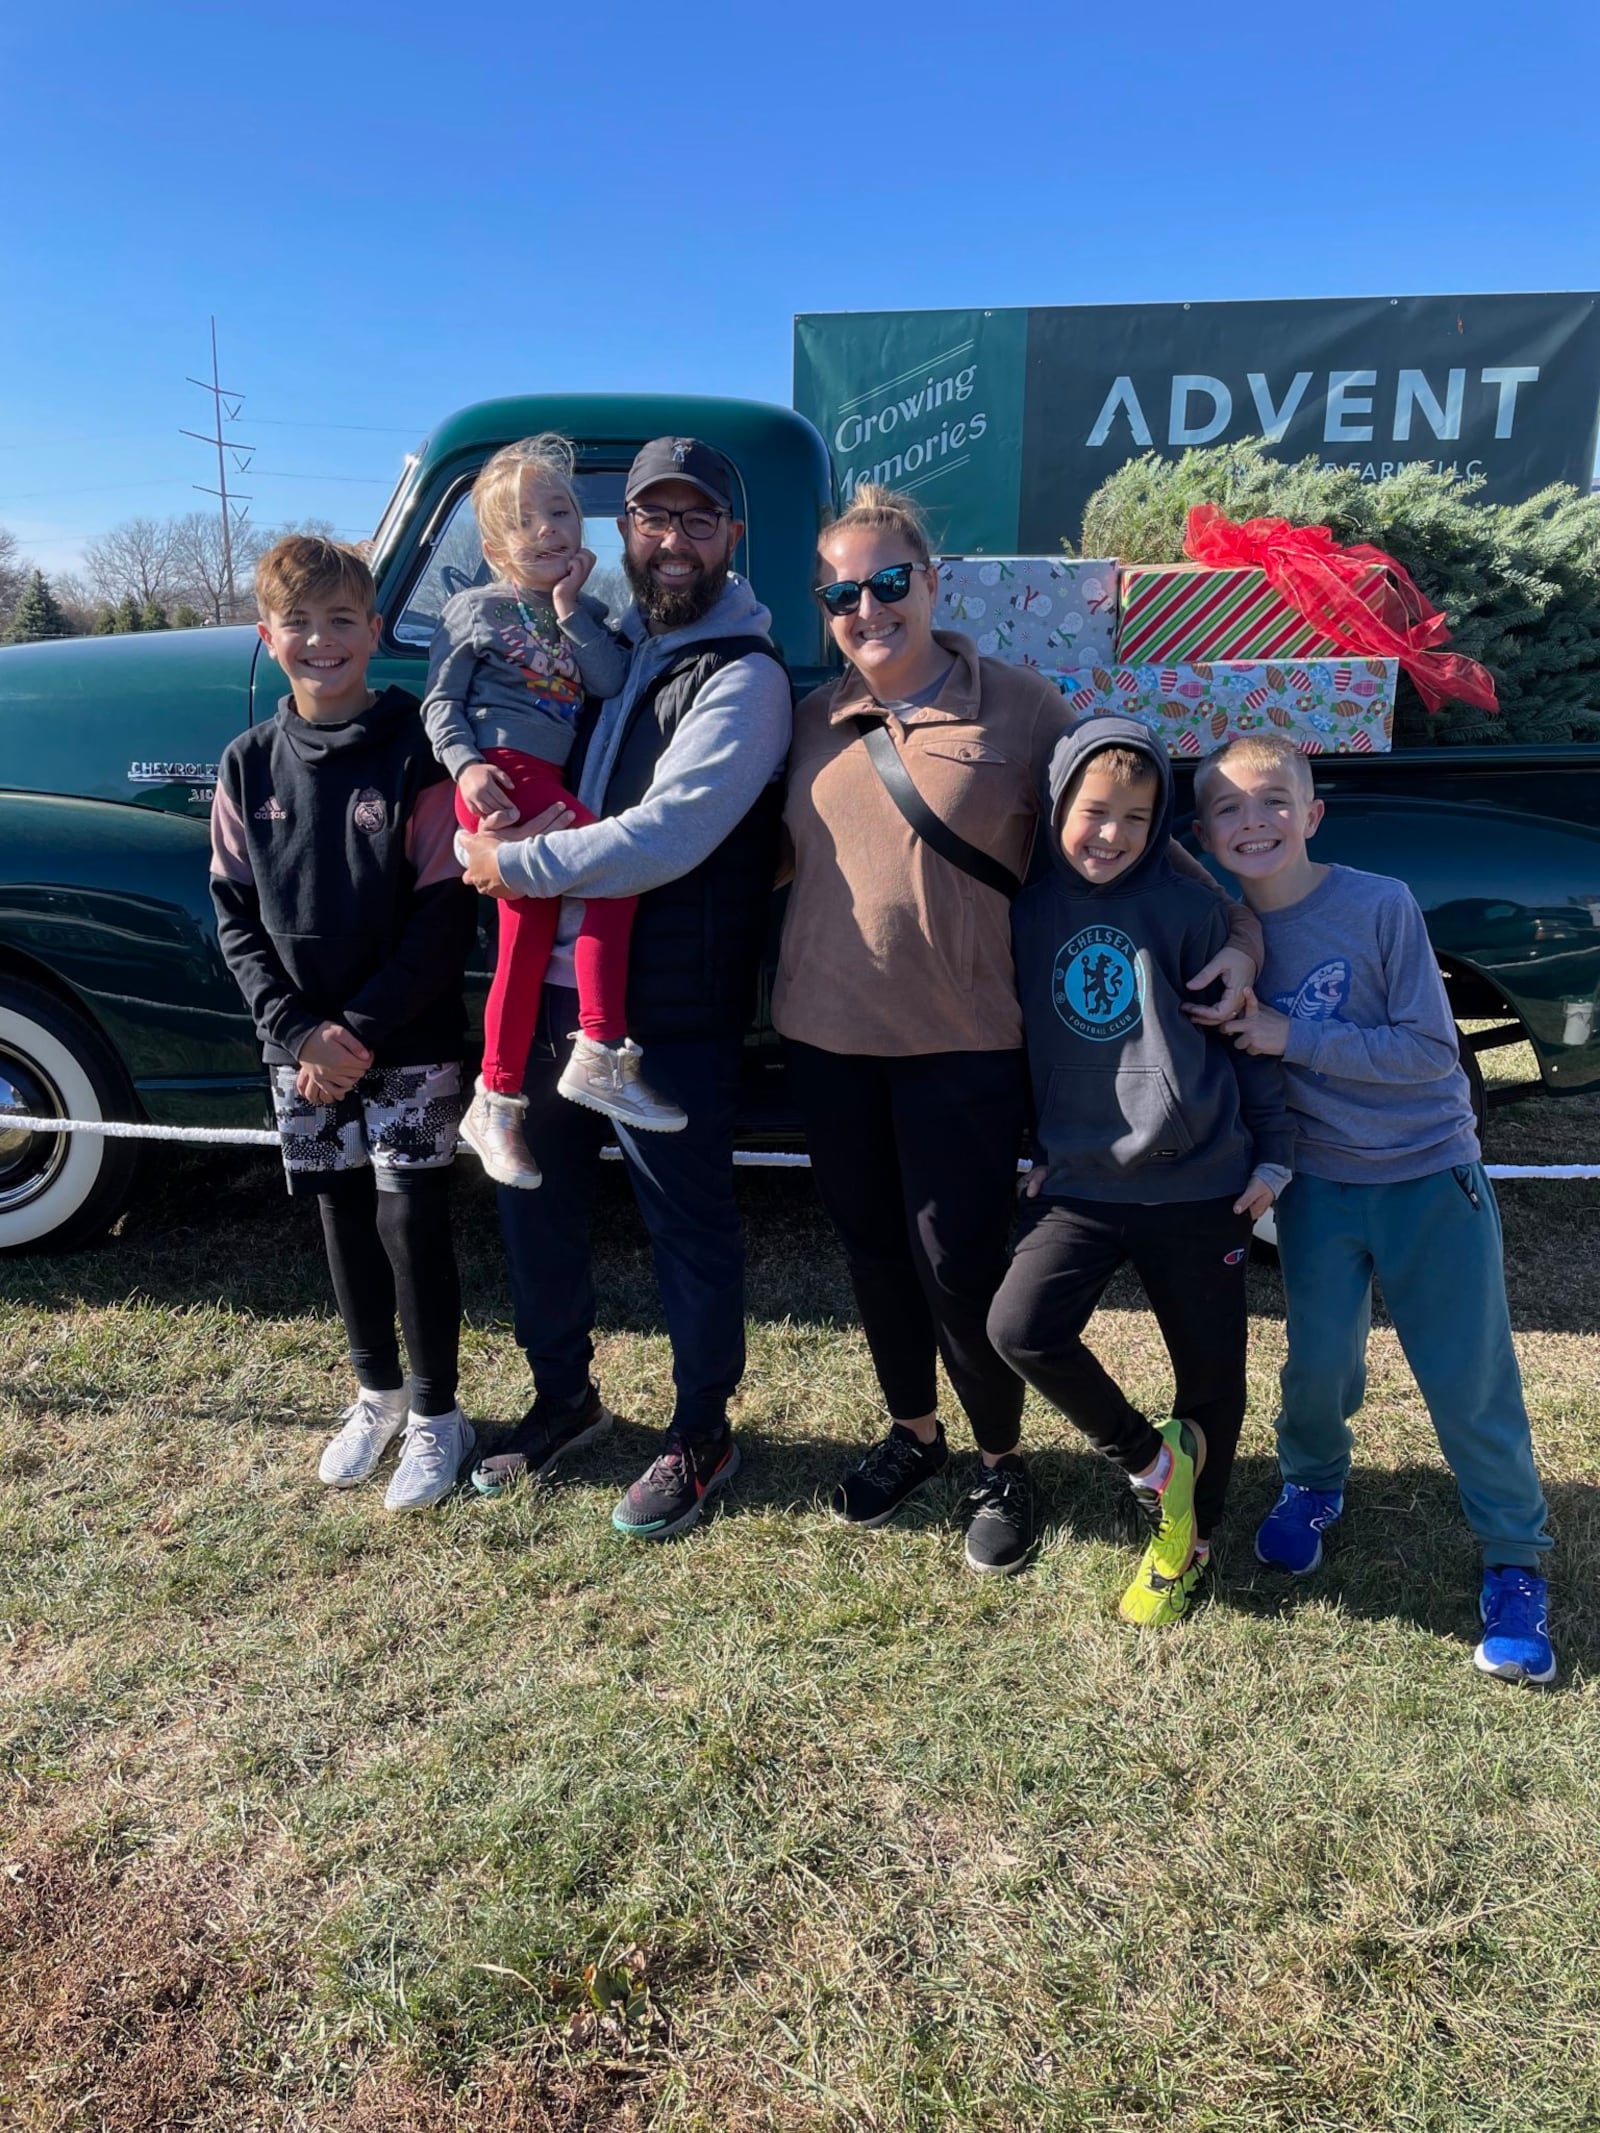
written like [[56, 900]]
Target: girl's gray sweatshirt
[[494, 681]]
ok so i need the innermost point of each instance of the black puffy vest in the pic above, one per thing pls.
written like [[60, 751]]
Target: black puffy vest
[[697, 941]]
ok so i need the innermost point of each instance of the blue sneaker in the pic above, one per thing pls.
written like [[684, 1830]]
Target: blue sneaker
[[1290, 1536], [1516, 1636]]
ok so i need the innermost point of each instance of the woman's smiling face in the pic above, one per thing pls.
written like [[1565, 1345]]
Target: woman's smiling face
[[881, 638]]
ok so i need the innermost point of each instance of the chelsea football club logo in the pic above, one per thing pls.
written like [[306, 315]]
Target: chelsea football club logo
[[1098, 985]]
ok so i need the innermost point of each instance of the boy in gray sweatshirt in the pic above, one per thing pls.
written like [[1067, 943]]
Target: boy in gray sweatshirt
[[1155, 1145], [1389, 1181]]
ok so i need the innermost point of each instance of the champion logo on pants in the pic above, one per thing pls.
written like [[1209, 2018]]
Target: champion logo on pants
[[1233, 1258]]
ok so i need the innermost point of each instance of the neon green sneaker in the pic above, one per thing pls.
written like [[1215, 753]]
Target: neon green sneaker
[[1154, 1602], [1162, 1589]]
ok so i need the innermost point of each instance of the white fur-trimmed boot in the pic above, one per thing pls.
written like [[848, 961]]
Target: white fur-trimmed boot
[[606, 1078], [492, 1129]]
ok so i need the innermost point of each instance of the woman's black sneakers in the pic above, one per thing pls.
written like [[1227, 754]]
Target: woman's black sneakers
[[1000, 1529], [894, 1469]]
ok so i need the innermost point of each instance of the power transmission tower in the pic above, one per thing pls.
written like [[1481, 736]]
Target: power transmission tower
[[234, 508]]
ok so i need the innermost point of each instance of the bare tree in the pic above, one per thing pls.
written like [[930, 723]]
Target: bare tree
[[13, 574], [77, 601], [133, 561], [199, 565]]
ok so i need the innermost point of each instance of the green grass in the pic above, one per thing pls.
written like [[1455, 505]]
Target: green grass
[[318, 1820]]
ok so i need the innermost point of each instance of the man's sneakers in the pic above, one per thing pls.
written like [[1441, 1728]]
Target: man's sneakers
[[1290, 1536], [671, 1494], [1516, 1633], [895, 1468], [1162, 1585], [605, 1077], [1000, 1528], [541, 1440], [369, 1426], [492, 1129], [430, 1460]]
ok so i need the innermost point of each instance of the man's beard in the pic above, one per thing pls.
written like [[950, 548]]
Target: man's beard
[[674, 607]]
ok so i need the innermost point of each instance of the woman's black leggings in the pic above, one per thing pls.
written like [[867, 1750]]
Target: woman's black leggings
[[916, 1162], [392, 1249]]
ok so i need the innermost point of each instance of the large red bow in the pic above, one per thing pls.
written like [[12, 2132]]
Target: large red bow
[[1323, 581]]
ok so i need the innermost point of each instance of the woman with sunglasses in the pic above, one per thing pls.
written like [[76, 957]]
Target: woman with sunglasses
[[897, 1001]]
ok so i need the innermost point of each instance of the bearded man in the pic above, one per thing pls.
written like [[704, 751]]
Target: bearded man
[[684, 770]]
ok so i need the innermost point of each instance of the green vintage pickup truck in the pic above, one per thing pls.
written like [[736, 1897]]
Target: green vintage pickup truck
[[114, 1000]]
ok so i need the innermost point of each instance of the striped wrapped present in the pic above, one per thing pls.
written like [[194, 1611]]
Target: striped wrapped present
[[1325, 706], [1173, 611]]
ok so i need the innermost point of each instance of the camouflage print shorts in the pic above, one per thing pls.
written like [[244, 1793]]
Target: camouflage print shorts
[[398, 1119]]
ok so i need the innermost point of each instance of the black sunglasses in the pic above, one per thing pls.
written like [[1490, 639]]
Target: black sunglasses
[[885, 586]]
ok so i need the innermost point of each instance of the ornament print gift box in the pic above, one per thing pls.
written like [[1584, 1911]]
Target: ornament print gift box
[[1325, 706], [1034, 611], [1173, 611]]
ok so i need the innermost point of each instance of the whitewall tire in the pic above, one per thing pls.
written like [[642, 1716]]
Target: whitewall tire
[[57, 1190]]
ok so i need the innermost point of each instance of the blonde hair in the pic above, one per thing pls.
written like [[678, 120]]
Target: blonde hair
[[875, 510], [498, 492], [1256, 751], [308, 566]]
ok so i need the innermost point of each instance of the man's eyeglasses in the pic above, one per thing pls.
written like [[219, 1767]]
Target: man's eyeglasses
[[698, 523], [886, 586]]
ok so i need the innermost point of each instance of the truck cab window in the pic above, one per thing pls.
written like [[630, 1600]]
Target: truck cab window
[[455, 560]]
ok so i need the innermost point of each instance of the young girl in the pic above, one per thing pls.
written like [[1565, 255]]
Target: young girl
[[510, 665]]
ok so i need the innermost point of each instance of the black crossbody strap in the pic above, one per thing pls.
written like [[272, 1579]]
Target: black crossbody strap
[[939, 835]]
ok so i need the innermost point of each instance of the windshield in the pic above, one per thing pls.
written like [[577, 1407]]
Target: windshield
[[394, 510]]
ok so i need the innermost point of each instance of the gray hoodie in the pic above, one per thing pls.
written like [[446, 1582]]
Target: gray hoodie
[[729, 745], [1132, 1100]]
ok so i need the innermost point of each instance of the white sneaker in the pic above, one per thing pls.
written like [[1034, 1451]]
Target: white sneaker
[[430, 1459], [492, 1129], [605, 1078], [371, 1423]]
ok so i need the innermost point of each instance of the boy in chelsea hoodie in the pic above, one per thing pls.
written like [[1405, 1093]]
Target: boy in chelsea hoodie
[[1155, 1143]]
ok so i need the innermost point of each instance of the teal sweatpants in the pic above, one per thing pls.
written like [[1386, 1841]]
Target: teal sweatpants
[[1434, 1244]]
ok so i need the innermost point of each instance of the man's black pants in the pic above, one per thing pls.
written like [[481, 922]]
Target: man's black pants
[[683, 1186], [1191, 1257], [916, 1163]]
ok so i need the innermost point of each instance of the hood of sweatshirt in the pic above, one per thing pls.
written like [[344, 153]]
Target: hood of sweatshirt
[[316, 743], [1074, 749]]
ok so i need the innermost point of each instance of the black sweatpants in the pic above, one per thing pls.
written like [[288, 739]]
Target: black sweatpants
[[1191, 1258], [916, 1162], [389, 1250]]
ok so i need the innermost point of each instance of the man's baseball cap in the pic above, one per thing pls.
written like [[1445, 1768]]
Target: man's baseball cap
[[683, 459]]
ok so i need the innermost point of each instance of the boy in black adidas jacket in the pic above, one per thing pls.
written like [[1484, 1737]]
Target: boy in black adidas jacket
[[1156, 1144], [342, 914]]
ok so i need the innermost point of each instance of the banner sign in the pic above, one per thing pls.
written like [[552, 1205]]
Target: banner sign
[[1003, 423]]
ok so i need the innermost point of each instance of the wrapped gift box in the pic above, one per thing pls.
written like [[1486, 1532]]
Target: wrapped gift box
[[1036, 611], [1325, 706], [1185, 611]]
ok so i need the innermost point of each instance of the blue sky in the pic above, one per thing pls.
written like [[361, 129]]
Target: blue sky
[[395, 210]]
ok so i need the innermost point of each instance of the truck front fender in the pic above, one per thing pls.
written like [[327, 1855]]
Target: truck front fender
[[111, 902]]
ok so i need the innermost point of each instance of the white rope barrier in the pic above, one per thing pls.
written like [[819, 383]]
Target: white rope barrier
[[744, 1158]]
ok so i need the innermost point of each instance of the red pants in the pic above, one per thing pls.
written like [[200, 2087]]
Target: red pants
[[527, 934]]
